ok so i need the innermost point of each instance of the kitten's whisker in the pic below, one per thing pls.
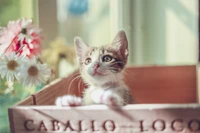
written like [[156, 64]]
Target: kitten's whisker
[[79, 85], [113, 77], [65, 80], [129, 75], [84, 83], [72, 76], [117, 62], [69, 88], [112, 68]]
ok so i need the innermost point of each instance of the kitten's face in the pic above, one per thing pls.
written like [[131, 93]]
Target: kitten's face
[[100, 65]]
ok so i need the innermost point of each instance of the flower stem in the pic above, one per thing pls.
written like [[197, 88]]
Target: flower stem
[[12, 42], [21, 47]]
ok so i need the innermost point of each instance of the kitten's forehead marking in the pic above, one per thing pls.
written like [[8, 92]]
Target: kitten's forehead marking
[[94, 53], [91, 52], [97, 52], [103, 50]]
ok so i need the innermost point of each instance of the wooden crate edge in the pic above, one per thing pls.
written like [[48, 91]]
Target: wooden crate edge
[[198, 82], [11, 121], [24, 102], [105, 107], [48, 85], [150, 66], [132, 113]]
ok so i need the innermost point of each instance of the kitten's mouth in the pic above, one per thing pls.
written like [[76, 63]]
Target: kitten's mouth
[[98, 73]]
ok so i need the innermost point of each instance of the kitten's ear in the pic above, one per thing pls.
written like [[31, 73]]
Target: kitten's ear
[[80, 47], [120, 43]]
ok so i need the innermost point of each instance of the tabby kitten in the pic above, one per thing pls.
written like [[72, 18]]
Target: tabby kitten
[[102, 69]]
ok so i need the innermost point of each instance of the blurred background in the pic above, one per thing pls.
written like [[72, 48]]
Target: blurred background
[[160, 32]]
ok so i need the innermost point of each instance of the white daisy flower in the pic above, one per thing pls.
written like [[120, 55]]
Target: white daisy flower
[[34, 73], [9, 66], [10, 88]]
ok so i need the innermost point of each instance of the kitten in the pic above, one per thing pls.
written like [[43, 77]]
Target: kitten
[[102, 69]]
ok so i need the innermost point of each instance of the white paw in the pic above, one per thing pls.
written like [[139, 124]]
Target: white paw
[[68, 100], [109, 98]]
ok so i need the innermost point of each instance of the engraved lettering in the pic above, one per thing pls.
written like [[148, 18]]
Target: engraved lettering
[[194, 125], [93, 126], [109, 125], [55, 125], [42, 127], [177, 125], [158, 125], [68, 125], [80, 126], [28, 128], [142, 126]]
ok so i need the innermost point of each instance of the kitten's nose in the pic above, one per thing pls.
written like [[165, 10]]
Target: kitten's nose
[[96, 66]]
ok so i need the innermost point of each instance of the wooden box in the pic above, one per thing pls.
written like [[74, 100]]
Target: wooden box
[[167, 101]]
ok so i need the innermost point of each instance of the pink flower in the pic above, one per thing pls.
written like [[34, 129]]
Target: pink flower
[[22, 37]]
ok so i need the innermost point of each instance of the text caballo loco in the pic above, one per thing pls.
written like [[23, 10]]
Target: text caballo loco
[[160, 125]]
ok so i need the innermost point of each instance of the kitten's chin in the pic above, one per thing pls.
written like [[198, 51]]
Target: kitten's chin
[[98, 74], [95, 78]]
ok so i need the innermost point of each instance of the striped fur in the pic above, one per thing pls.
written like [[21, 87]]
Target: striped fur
[[101, 69]]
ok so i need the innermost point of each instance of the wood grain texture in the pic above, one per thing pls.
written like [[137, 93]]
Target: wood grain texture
[[69, 85], [27, 101], [151, 84], [100, 118], [163, 84]]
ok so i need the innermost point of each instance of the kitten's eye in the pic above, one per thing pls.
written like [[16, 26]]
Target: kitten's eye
[[88, 61], [107, 58]]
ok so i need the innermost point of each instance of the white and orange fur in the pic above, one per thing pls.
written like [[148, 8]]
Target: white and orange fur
[[101, 68]]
